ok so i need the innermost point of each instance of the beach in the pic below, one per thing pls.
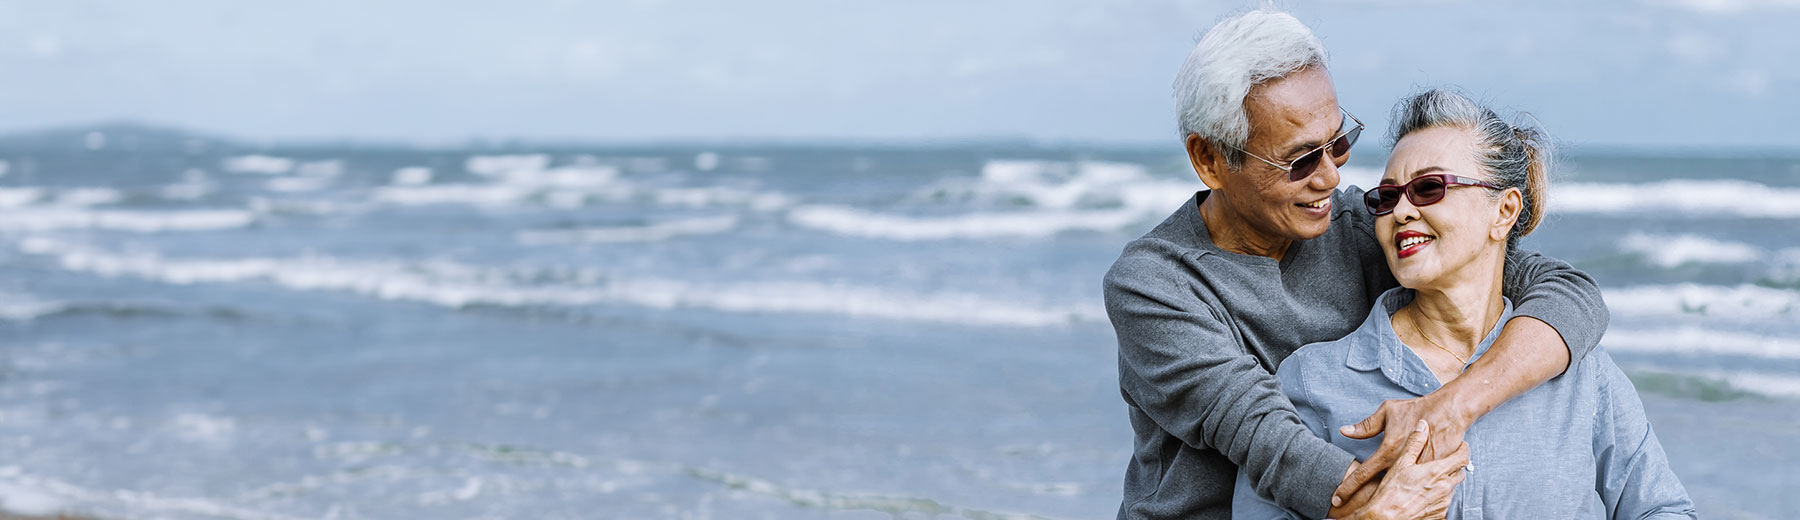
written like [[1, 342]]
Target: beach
[[219, 330]]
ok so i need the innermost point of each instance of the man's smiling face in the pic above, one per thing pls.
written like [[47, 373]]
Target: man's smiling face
[[1289, 116]]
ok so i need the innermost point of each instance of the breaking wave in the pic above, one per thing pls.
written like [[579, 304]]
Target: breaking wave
[[457, 285]]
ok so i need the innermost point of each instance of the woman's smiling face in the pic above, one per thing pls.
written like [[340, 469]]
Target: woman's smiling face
[[1443, 240]]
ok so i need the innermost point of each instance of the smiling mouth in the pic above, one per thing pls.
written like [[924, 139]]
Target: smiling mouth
[[1315, 204], [1412, 244]]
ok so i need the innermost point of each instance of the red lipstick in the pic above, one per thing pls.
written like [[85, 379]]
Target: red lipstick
[[1406, 251]]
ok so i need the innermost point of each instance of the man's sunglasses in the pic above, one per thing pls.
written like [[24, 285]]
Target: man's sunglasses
[[1304, 165], [1422, 191]]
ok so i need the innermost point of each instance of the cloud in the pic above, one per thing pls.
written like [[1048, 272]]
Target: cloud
[[45, 46], [1730, 6], [1749, 82], [1695, 48]]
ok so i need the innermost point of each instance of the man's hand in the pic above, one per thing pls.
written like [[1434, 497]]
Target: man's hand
[[1416, 487], [1448, 423], [1358, 500]]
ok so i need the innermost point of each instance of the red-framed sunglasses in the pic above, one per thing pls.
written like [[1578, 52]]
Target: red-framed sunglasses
[[1422, 191]]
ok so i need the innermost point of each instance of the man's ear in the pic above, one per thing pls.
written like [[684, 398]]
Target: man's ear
[[1511, 202], [1207, 164]]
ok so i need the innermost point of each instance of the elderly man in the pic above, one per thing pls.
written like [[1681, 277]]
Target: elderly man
[[1273, 257]]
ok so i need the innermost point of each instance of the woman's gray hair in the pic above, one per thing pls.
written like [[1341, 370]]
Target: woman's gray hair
[[1511, 156], [1236, 54]]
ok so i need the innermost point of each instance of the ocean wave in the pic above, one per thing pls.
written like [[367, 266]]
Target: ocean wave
[[1723, 197], [1715, 302], [37, 495], [412, 176], [297, 184], [257, 164], [898, 506], [1694, 340], [569, 187], [22, 307], [67, 197], [50, 218], [1060, 185], [645, 233], [1677, 250], [458, 286], [500, 165], [850, 221], [472, 194], [1715, 385], [1015, 198], [15, 197], [19, 307]]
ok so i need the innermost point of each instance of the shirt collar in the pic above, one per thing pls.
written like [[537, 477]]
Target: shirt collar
[[1377, 347]]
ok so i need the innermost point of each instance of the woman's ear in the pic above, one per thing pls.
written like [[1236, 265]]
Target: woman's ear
[[1207, 164], [1511, 202]]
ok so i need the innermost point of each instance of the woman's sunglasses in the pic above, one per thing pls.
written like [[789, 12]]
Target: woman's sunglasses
[[1422, 191], [1303, 166]]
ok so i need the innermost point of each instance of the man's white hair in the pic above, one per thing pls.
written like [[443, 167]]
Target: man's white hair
[[1236, 54]]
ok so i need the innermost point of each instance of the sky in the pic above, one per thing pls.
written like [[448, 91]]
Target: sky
[[1637, 73]]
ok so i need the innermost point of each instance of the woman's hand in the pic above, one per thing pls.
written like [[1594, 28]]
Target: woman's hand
[[1416, 487], [1448, 421]]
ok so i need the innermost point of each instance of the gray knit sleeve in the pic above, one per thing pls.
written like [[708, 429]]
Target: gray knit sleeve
[[1180, 364]]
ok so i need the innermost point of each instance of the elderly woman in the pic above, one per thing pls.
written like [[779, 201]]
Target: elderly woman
[[1460, 189]]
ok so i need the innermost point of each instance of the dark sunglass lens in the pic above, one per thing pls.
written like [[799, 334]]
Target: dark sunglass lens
[[1342, 146], [1382, 199], [1426, 190], [1303, 166]]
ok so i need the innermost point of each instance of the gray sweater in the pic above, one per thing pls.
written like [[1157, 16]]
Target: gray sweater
[[1202, 331]]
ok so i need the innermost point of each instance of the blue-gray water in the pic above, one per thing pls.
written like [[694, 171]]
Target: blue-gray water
[[739, 332]]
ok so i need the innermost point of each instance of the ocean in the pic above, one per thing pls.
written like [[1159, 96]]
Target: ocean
[[192, 330]]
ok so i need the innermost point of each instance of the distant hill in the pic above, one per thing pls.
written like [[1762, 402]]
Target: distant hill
[[119, 135]]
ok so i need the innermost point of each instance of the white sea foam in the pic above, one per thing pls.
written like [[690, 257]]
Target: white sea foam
[[473, 194], [499, 165], [1762, 383], [203, 428], [412, 176], [706, 161], [44, 496], [1715, 302], [1050, 196], [296, 184], [1701, 341], [645, 233], [714, 196], [1688, 197], [850, 221], [67, 197], [88, 196], [457, 285], [257, 164], [15, 197], [23, 307], [1061, 185], [50, 218], [1678, 250], [514, 182]]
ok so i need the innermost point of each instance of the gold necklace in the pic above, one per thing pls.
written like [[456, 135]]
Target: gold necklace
[[1415, 326]]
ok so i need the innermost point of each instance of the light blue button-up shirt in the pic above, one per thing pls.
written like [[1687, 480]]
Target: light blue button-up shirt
[[1577, 446]]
